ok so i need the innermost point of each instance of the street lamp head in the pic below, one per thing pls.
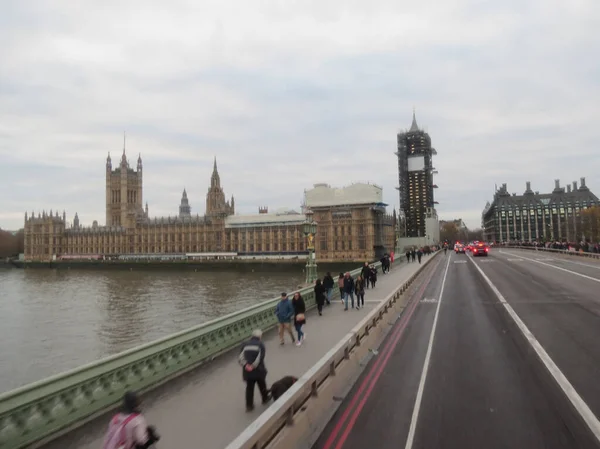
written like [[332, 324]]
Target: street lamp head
[[306, 227], [313, 227]]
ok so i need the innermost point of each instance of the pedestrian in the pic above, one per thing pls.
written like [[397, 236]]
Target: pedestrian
[[128, 429], [419, 254], [299, 316], [366, 273], [254, 371], [320, 296], [407, 256], [413, 254], [341, 286], [360, 292], [348, 290], [373, 276], [328, 285], [285, 313]]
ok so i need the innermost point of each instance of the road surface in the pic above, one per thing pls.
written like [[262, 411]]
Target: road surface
[[499, 352]]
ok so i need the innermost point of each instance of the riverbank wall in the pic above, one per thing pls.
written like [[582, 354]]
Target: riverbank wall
[[187, 265]]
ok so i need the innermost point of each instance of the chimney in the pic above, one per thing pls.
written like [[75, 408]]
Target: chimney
[[568, 188], [582, 181], [574, 186], [263, 210], [504, 186], [557, 184], [528, 184]]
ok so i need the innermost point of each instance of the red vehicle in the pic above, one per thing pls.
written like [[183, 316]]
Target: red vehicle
[[480, 249]]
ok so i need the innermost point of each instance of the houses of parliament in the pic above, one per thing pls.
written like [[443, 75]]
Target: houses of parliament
[[352, 225]]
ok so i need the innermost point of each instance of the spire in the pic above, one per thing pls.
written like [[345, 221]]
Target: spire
[[124, 158], [215, 179], [414, 126]]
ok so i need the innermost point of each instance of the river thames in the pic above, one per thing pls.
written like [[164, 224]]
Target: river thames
[[55, 320]]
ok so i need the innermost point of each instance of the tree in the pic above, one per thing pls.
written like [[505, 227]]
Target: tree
[[449, 231], [590, 224], [9, 245]]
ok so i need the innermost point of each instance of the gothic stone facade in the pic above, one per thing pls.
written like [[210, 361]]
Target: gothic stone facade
[[360, 232]]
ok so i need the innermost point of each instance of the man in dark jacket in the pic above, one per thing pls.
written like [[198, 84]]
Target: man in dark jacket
[[348, 290], [328, 283], [254, 371], [366, 274]]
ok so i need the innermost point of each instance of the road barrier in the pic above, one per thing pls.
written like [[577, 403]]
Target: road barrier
[[44, 410], [296, 419], [556, 251]]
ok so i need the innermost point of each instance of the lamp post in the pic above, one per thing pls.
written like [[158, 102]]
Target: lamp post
[[310, 229]]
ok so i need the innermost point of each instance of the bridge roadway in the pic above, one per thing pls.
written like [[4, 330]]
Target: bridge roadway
[[483, 385], [205, 408]]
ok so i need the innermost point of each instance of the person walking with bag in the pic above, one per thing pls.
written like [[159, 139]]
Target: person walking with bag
[[299, 316], [128, 429], [254, 371]]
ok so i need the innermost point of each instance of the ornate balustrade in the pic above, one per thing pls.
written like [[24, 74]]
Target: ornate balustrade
[[52, 406]]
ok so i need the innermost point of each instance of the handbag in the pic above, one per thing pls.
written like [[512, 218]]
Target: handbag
[[300, 317]]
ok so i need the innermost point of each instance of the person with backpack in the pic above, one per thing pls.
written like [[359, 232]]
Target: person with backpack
[[128, 429]]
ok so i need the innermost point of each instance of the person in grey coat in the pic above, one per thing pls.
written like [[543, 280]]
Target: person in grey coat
[[254, 371]]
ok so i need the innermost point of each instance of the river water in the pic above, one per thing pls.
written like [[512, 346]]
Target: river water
[[54, 320]]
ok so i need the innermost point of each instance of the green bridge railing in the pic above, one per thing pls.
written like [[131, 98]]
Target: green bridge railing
[[53, 406]]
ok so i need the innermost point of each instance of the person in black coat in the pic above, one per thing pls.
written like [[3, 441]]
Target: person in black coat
[[328, 284], [366, 274], [254, 371], [299, 316], [320, 296]]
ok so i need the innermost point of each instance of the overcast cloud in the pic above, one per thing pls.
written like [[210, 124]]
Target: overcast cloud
[[289, 93]]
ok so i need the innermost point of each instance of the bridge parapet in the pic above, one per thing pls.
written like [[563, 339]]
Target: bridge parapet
[[51, 407]]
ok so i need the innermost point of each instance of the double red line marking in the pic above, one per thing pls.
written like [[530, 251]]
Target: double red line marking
[[372, 377]]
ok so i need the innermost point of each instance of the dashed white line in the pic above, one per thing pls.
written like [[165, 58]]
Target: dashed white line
[[578, 403], [415, 415], [558, 268]]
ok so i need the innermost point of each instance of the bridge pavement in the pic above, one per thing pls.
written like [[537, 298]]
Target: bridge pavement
[[205, 408]]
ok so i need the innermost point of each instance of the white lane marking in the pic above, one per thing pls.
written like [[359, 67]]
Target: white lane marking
[[460, 261], [544, 259], [597, 267], [586, 413], [515, 260], [558, 268], [419, 399], [431, 300], [486, 261]]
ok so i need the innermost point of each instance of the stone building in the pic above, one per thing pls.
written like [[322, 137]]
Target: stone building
[[352, 223], [537, 217], [352, 226]]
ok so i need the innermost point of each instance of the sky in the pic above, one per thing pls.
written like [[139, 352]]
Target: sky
[[291, 93]]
